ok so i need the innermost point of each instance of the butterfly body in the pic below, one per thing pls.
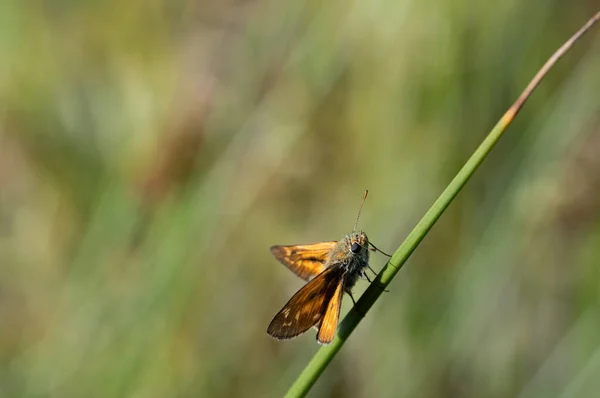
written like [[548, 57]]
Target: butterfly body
[[331, 268], [353, 264]]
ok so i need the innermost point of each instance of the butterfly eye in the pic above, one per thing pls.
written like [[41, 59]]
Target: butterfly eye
[[355, 248]]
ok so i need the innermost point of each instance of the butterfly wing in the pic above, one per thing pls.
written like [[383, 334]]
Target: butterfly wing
[[329, 322], [308, 306], [306, 261]]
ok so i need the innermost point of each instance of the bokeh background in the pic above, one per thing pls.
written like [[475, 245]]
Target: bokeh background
[[152, 151]]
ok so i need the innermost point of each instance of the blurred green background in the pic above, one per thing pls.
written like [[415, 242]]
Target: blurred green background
[[152, 151]]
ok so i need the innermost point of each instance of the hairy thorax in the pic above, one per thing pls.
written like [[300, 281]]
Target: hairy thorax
[[352, 254]]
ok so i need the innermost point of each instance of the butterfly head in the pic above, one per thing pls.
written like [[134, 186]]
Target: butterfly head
[[357, 243]]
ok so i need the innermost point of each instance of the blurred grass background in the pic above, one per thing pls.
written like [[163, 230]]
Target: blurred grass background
[[152, 151]]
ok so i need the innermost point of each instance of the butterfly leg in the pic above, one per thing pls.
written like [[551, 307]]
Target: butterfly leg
[[374, 248], [351, 296], [371, 282], [355, 306], [372, 270]]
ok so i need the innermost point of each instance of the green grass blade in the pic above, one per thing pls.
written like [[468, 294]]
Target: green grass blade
[[323, 357]]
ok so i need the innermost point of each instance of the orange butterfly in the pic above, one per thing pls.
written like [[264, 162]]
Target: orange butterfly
[[331, 268]]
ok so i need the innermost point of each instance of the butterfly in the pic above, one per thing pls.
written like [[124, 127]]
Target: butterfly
[[330, 268]]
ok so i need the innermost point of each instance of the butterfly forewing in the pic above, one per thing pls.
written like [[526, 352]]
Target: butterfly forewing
[[306, 261], [308, 306]]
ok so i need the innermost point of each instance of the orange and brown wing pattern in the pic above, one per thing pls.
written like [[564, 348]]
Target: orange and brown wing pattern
[[306, 261], [332, 315], [308, 306]]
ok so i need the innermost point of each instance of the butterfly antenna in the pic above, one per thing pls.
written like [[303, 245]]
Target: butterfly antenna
[[360, 209]]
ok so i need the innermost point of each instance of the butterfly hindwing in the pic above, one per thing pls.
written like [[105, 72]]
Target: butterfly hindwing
[[330, 318]]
